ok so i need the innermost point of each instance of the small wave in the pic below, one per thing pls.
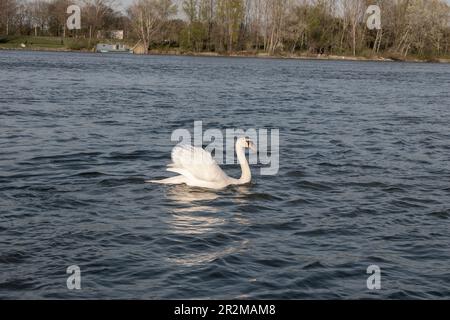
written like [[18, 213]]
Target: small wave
[[107, 122], [396, 188], [295, 173], [329, 164], [260, 196], [67, 203], [64, 157], [193, 259], [304, 184], [369, 184], [316, 156], [254, 208], [17, 284], [13, 257], [137, 154], [89, 174], [123, 181], [443, 214], [274, 263], [418, 200], [406, 204], [377, 259], [406, 294], [299, 201], [313, 265]]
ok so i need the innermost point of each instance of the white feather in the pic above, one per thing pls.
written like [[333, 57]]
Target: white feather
[[196, 167], [194, 162]]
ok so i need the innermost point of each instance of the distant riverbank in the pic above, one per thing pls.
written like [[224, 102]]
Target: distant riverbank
[[254, 55], [306, 56], [70, 45]]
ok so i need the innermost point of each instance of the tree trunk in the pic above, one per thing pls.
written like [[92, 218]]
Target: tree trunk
[[354, 39]]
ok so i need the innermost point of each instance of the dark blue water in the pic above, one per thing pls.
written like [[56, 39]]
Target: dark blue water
[[364, 178]]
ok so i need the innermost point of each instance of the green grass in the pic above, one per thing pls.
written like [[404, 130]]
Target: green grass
[[12, 42], [47, 43]]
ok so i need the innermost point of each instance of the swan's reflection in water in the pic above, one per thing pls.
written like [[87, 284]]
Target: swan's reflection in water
[[192, 214], [191, 198], [197, 213], [193, 259]]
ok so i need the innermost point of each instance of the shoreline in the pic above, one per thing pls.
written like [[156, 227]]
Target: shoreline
[[323, 57]]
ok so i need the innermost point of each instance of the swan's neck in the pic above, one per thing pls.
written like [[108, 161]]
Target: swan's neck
[[246, 176]]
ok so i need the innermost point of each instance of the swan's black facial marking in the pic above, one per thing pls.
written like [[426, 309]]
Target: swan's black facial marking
[[247, 142]]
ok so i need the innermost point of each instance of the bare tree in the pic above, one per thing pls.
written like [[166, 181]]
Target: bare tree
[[57, 17], [39, 15], [8, 10], [148, 16], [191, 9], [353, 11], [230, 15]]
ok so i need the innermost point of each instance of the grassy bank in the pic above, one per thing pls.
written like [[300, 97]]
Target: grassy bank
[[46, 43], [43, 43], [72, 44]]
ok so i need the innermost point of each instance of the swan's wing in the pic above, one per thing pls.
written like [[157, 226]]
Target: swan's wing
[[198, 162]]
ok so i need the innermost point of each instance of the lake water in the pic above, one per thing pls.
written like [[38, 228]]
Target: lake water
[[363, 180]]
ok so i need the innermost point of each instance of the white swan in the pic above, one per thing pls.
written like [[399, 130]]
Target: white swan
[[197, 168]]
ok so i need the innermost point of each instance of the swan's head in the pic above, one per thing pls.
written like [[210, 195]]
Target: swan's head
[[245, 142]]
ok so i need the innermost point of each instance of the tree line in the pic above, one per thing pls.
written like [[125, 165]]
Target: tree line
[[333, 27]]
